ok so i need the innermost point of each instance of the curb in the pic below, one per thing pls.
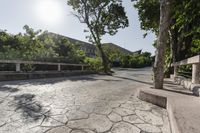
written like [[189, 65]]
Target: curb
[[163, 102]]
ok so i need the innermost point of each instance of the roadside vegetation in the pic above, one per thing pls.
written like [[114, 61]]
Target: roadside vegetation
[[176, 25], [38, 46], [101, 17]]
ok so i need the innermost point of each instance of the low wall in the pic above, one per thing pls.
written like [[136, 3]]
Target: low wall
[[7, 76], [186, 83]]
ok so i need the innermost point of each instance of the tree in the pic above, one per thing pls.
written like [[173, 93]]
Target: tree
[[149, 12], [101, 17], [161, 44]]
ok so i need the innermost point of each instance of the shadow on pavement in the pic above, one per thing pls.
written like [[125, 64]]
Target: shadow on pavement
[[30, 109], [52, 81], [135, 80], [8, 89]]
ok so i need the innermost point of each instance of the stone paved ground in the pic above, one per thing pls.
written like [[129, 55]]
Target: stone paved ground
[[84, 104]]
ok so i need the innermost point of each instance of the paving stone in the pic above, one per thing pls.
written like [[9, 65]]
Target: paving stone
[[83, 102], [134, 119], [128, 105], [62, 129], [61, 118], [75, 115], [148, 128], [158, 111], [166, 125], [100, 123], [78, 131], [87, 108], [123, 111], [114, 117], [113, 104], [89, 131], [103, 110], [123, 127], [143, 106], [82, 131], [149, 117], [51, 122]]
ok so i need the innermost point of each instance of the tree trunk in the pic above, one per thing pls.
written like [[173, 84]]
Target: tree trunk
[[104, 59], [174, 43], [161, 44]]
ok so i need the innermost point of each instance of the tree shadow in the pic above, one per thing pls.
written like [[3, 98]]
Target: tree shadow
[[135, 80], [8, 89], [174, 87], [178, 91], [133, 69], [44, 81], [30, 109]]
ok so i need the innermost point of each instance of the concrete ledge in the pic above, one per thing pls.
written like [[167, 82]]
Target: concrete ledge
[[162, 102], [152, 98], [39, 75], [183, 110]]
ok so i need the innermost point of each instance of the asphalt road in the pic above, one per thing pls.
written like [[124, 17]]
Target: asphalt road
[[81, 104]]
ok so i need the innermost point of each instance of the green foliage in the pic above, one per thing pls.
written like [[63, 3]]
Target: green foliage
[[136, 60], [149, 14], [38, 46], [187, 17], [184, 36], [94, 63], [112, 54], [101, 17]]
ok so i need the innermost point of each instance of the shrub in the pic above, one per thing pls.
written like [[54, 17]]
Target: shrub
[[94, 63], [136, 60]]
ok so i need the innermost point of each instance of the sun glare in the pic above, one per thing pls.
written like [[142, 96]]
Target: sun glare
[[49, 11]]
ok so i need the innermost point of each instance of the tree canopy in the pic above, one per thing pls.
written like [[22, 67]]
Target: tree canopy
[[38, 45], [101, 17]]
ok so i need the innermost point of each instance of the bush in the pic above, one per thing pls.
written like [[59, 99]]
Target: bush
[[136, 60], [94, 63]]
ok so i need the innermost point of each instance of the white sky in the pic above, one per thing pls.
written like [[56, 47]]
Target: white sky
[[55, 16]]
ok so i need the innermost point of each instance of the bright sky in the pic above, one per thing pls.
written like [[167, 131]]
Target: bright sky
[[55, 16]]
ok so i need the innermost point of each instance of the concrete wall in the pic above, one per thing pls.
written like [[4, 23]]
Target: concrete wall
[[38, 75]]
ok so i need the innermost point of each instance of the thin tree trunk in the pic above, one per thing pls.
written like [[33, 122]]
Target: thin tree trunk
[[161, 44], [104, 59]]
